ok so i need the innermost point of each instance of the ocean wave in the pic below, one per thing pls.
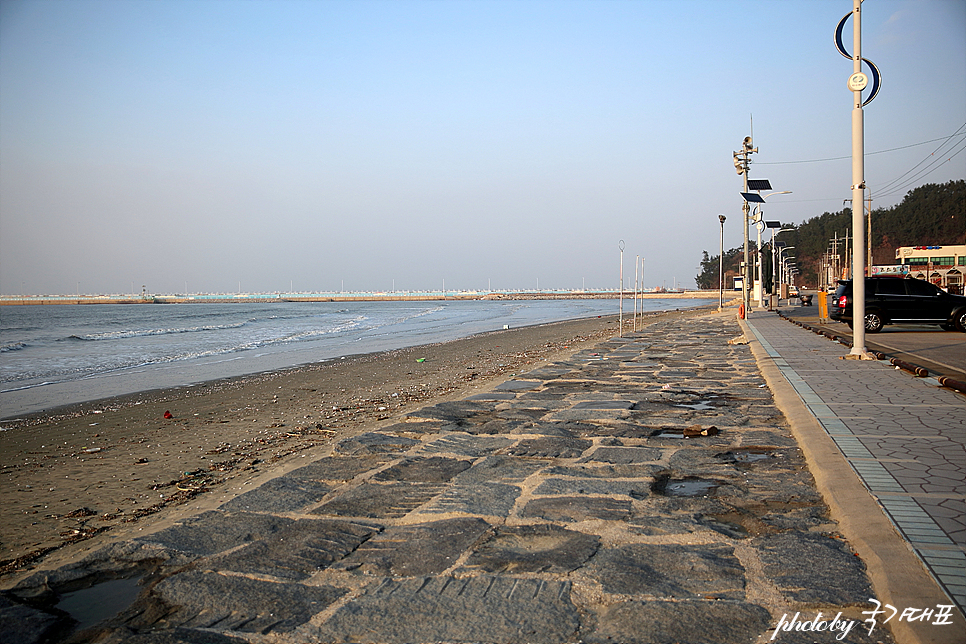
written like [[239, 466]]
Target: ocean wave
[[153, 340], [304, 335], [261, 343], [142, 333], [106, 363], [30, 386]]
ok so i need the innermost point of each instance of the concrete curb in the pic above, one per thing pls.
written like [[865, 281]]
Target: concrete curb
[[897, 575]]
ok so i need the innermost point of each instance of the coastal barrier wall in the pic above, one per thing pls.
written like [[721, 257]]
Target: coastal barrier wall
[[40, 300]]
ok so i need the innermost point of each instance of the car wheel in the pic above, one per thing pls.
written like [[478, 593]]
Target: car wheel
[[873, 322], [961, 321]]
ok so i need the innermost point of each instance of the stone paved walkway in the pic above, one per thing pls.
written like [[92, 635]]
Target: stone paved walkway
[[905, 437], [645, 490]]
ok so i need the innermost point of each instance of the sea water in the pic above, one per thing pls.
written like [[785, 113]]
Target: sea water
[[64, 354]]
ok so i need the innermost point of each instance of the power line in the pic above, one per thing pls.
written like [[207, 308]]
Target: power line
[[891, 187], [903, 147], [900, 183], [925, 171]]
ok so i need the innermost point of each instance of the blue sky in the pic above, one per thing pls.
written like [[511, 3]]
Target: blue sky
[[218, 145]]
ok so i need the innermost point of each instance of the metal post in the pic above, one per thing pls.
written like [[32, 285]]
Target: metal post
[[869, 230], [721, 220], [643, 266], [745, 210], [643, 281], [772, 300], [742, 166], [620, 318], [760, 279], [636, 285]]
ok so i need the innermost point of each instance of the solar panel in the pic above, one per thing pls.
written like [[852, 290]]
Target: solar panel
[[759, 184], [773, 224], [752, 197]]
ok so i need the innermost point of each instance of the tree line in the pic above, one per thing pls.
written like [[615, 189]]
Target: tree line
[[930, 215]]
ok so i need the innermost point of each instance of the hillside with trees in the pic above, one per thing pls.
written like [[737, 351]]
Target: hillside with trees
[[930, 215]]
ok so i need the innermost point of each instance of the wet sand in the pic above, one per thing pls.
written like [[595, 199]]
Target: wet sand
[[74, 473]]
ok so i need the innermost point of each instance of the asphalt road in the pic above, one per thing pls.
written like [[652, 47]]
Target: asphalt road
[[943, 353]]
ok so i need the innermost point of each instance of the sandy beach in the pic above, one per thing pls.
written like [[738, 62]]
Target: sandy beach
[[77, 472]]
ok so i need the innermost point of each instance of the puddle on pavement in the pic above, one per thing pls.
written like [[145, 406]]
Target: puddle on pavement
[[667, 433], [686, 487], [701, 406], [749, 455], [90, 606], [689, 487]]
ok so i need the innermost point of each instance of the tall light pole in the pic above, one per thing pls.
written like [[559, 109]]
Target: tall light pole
[[741, 165], [781, 273], [857, 82], [786, 268], [742, 162], [721, 220], [760, 226], [774, 259]]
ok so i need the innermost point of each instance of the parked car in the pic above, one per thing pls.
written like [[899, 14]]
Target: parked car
[[897, 300]]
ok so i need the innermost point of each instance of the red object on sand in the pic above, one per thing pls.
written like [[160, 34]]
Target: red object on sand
[[167, 414]]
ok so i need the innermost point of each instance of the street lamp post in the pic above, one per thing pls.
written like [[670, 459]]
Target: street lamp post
[[781, 274], [858, 184], [757, 282], [772, 302], [787, 267], [857, 82], [760, 228], [721, 220], [742, 162]]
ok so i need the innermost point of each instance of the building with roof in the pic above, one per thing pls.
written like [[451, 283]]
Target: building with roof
[[942, 265]]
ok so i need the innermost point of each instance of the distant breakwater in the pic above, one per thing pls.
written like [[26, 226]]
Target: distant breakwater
[[250, 298]]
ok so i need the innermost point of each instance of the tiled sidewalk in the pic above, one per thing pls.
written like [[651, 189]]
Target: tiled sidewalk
[[905, 438]]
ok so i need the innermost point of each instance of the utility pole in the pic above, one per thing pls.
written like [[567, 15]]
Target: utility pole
[[836, 272], [848, 256], [868, 227], [869, 230]]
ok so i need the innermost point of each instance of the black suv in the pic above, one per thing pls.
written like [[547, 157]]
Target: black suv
[[897, 300]]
